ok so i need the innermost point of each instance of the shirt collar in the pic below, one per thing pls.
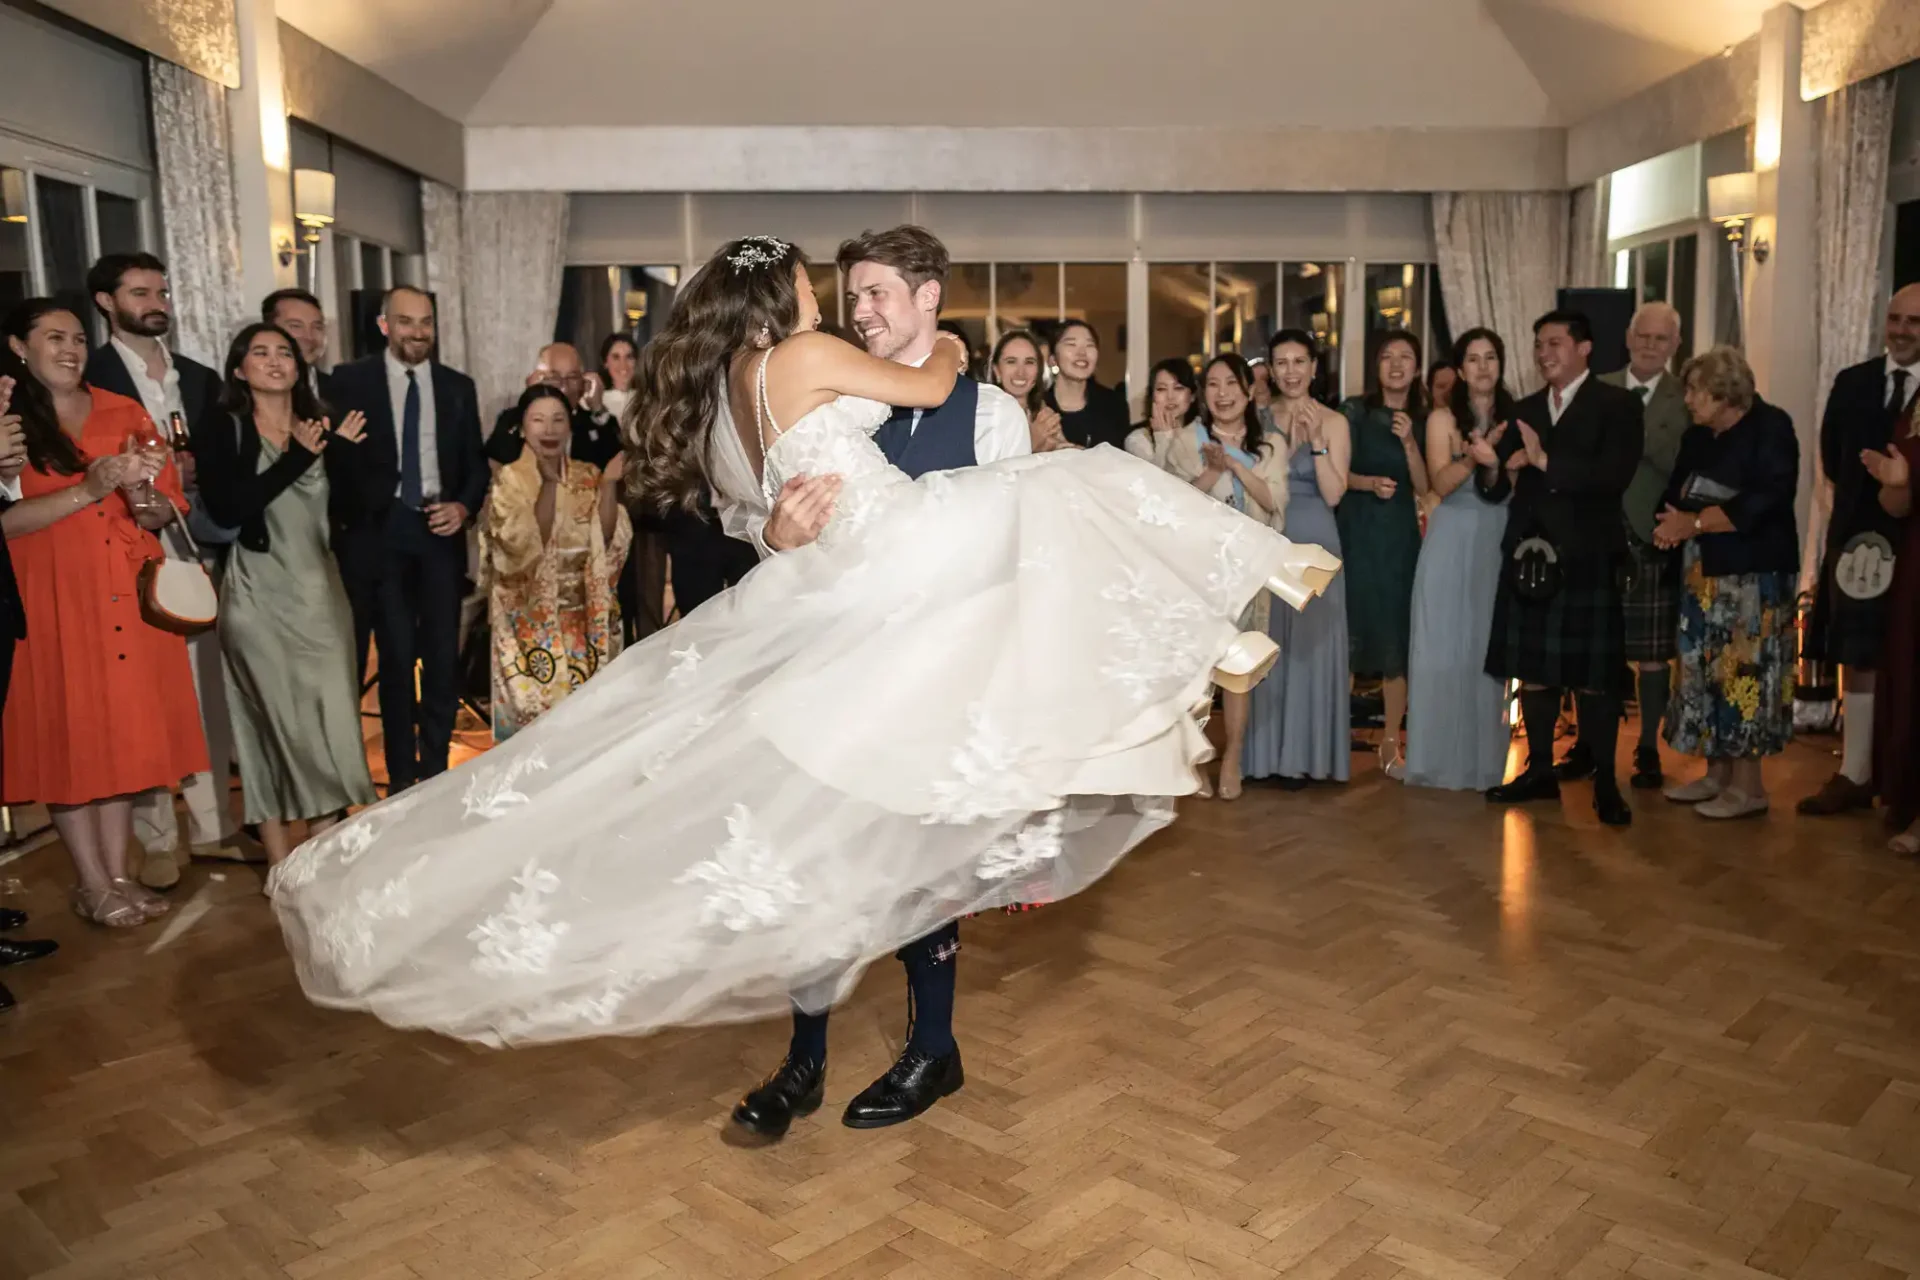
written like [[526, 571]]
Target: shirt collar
[[395, 369], [1572, 388], [137, 362], [1652, 384], [1912, 370]]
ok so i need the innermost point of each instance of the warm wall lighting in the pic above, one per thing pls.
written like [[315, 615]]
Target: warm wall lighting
[[1733, 200], [13, 195], [312, 209]]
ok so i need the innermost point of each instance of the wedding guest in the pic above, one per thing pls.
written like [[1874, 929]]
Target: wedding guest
[[1442, 377], [1300, 720], [619, 366], [596, 431], [553, 538], [1090, 414], [130, 292], [1729, 505], [1651, 606], [1173, 403], [644, 577], [1849, 607], [285, 626], [1457, 731], [1230, 459], [1018, 367], [1897, 705], [102, 709], [1566, 463], [1379, 521], [300, 316], [413, 486]]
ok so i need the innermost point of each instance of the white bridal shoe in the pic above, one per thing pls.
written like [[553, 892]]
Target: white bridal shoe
[[1306, 573], [1250, 656]]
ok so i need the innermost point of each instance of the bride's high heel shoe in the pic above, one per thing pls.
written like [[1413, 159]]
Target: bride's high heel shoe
[[1246, 661], [1305, 574]]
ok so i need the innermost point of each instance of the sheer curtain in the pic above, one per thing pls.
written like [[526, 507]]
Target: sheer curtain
[[1503, 258], [193, 157], [1856, 134], [1587, 265], [512, 253], [440, 226]]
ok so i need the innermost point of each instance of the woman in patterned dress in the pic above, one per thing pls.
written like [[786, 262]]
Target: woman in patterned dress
[[554, 537], [1730, 506]]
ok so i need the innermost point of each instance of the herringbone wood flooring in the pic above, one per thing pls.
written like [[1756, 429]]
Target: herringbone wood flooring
[[1359, 1034]]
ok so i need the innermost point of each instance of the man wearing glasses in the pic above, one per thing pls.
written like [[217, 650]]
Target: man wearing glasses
[[596, 433]]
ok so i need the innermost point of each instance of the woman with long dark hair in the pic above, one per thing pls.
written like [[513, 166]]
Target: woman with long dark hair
[[1380, 526], [1173, 402], [286, 631], [1018, 367], [1457, 730], [965, 693], [1090, 413], [101, 706]]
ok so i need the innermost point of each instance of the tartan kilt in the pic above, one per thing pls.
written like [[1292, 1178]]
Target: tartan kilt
[[1650, 607], [1576, 640], [1844, 631]]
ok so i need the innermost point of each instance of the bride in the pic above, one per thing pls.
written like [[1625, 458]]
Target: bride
[[971, 690]]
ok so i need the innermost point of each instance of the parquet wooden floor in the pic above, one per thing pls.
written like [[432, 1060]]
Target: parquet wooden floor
[[1351, 1034]]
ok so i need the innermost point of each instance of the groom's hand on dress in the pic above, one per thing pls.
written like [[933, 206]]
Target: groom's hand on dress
[[801, 511]]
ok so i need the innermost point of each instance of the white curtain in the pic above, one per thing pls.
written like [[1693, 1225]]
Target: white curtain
[[512, 253], [1856, 134], [193, 156], [440, 226], [1503, 258], [1587, 265]]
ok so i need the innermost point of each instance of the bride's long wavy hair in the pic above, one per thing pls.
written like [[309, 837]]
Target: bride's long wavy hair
[[744, 291]]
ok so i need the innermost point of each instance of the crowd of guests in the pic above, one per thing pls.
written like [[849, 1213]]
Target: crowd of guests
[[1607, 537]]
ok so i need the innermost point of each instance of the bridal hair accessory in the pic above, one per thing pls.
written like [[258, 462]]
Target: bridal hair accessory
[[758, 251], [763, 339]]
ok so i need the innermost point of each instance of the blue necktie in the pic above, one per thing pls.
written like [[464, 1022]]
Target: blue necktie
[[410, 445]]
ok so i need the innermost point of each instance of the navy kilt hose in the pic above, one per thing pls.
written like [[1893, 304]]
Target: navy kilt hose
[[1576, 640], [1651, 604]]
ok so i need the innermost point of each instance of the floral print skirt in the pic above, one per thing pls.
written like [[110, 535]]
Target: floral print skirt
[[1734, 699]]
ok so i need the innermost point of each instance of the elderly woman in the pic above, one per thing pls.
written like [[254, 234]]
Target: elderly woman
[[553, 540], [101, 706], [1729, 509]]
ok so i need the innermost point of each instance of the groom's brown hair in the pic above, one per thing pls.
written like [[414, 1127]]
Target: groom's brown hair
[[914, 252]]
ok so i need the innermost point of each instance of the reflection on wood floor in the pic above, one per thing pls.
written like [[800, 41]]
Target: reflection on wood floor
[[1357, 1032]]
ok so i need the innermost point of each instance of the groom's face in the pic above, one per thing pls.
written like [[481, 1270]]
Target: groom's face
[[888, 316]]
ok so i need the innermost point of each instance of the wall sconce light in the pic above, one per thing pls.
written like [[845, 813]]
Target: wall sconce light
[[312, 209], [13, 195], [1733, 200]]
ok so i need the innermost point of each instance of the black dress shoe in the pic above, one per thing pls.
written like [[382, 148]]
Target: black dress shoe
[[912, 1085], [1529, 786], [11, 919], [1609, 804], [1577, 767], [794, 1089], [1646, 771], [6, 998], [21, 950]]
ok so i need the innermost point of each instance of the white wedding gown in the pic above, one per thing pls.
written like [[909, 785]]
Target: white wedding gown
[[972, 691]]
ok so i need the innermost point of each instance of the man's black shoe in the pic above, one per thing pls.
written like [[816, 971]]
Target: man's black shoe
[[912, 1085], [21, 950], [1578, 766], [1646, 770], [1529, 786], [1609, 804], [795, 1089]]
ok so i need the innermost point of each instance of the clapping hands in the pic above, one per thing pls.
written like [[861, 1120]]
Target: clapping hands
[[1482, 446], [13, 437], [1890, 468]]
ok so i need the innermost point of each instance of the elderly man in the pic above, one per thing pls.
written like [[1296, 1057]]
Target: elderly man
[[596, 435], [1849, 609], [1651, 605]]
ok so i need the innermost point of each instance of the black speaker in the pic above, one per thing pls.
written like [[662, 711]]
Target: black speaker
[[1609, 311]]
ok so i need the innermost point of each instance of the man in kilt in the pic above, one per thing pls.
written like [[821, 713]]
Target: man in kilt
[[1566, 460], [1651, 606], [1849, 606]]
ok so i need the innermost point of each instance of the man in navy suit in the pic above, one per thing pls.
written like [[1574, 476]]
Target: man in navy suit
[[896, 281], [418, 482], [305, 321]]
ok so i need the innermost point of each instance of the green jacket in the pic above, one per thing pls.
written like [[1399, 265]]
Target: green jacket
[[1667, 420]]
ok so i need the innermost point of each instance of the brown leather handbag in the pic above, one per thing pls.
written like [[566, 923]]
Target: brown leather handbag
[[177, 596]]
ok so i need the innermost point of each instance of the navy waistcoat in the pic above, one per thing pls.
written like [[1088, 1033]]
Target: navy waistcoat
[[944, 439]]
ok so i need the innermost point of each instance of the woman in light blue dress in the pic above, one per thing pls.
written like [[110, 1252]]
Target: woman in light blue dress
[[1457, 730], [1301, 727]]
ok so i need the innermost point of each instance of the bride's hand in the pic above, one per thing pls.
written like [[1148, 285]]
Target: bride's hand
[[953, 340]]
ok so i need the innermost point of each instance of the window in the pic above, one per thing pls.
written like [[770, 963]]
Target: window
[[16, 252], [1097, 293], [118, 219], [1668, 270], [1178, 304], [1246, 303], [825, 279], [1396, 299], [1311, 299], [1027, 296], [967, 306], [64, 252]]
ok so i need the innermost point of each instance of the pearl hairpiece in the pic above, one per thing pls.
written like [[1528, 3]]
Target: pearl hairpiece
[[758, 251]]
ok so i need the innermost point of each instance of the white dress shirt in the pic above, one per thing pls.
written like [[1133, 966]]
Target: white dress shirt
[[161, 398], [1558, 405], [397, 396], [1913, 383]]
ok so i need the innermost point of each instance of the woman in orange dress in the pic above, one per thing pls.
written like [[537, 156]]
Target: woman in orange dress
[[102, 705]]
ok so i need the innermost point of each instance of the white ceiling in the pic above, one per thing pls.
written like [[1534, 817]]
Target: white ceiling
[[1329, 63]]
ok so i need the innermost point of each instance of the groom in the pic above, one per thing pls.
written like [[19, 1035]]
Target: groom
[[896, 281]]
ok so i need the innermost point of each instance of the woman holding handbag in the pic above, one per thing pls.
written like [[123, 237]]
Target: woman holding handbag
[[102, 705], [285, 629]]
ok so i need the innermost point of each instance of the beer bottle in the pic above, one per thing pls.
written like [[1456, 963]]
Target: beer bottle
[[177, 432]]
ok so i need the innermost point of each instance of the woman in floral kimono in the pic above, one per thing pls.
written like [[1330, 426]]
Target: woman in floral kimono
[[553, 540]]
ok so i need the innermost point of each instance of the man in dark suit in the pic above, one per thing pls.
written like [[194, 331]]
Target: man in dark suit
[[305, 321], [1849, 604], [130, 292], [1566, 461], [419, 481], [596, 433]]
